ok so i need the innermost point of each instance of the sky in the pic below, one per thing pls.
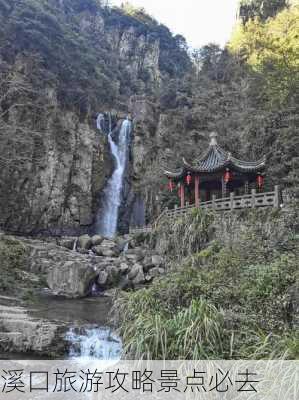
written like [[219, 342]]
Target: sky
[[199, 21]]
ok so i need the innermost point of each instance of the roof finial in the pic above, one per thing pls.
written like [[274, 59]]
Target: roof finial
[[213, 137]]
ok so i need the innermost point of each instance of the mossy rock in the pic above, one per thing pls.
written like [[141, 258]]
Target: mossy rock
[[12, 259], [12, 253]]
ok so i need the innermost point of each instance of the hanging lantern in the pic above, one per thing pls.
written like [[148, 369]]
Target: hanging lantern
[[170, 185], [188, 178], [260, 181], [227, 176]]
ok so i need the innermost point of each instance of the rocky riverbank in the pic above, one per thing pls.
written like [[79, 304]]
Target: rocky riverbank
[[22, 333], [54, 285]]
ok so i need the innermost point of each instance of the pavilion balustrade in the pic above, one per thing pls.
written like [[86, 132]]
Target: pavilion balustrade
[[233, 202], [229, 203]]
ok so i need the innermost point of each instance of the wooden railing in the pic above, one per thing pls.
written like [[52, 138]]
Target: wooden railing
[[252, 200]]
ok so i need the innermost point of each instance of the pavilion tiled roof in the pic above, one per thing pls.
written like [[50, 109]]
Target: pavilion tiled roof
[[216, 159]]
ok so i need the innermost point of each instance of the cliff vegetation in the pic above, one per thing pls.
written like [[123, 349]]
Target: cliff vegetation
[[230, 291]]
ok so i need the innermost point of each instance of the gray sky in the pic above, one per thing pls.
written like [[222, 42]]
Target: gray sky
[[200, 21]]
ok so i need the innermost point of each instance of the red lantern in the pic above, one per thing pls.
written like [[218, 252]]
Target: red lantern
[[170, 185], [227, 176], [260, 181], [188, 178]]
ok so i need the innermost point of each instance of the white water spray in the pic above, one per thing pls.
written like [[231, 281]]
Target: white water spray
[[93, 343], [107, 220]]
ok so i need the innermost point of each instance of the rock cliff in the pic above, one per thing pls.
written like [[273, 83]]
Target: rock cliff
[[54, 162]]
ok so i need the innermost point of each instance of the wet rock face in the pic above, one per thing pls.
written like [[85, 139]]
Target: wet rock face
[[65, 165], [22, 333], [56, 189]]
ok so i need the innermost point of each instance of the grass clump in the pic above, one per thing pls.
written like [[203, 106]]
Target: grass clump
[[181, 236], [12, 258]]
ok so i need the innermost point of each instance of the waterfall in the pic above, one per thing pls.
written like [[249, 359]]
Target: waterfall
[[108, 217], [96, 343], [75, 244]]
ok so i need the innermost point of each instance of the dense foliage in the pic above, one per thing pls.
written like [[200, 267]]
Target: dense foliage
[[271, 49], [84, 69], [260, 8], [232, 299]]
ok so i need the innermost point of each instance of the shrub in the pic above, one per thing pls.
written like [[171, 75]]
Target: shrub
[[221, 300]]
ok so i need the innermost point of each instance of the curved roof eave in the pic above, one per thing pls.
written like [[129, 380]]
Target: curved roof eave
[[215, 159]]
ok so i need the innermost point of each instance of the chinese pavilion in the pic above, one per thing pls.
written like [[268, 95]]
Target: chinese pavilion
[[215, 174]]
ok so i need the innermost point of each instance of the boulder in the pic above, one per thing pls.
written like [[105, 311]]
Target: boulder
[[108, 244], [83, 251], [157, 261], [135, 255], [110, 253], [68, 243], [124, 268], [125, 283], [113, 275], [103, 278], [84, 242], [148, 278], [96, 240], [133, 258], [72, 279], [147, 263], [136, 270], [155, 272], [105, 252], [137, 251], [107, 248], [139, 279], [97, 250]]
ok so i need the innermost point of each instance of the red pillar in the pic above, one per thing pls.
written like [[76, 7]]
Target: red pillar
[[182, 194], [196, 191]]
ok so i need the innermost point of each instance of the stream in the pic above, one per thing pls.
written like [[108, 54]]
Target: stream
[[88, 331], [89, 334]]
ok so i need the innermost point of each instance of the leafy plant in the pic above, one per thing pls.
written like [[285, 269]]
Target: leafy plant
[[227, 299]]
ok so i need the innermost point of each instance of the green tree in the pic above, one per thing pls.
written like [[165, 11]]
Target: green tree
[[271, 48]]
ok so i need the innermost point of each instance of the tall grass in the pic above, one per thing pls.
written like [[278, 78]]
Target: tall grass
[[181, 236], [192, 333]]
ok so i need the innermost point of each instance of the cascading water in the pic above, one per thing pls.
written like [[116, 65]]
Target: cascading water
[[108, 217], [93, 343]]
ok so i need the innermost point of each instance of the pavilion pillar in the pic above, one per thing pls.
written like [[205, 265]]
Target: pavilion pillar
[[182, 194], [246, 187], [196, 191], [224, 189]]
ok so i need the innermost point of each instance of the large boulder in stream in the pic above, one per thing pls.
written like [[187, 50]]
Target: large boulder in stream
[[84, 242], [107, 248], [72, 279]]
